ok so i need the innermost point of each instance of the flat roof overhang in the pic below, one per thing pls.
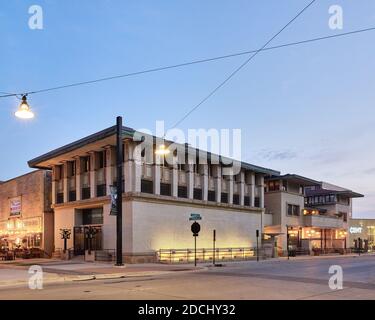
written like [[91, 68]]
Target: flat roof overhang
[[107, 137], [303, 181]]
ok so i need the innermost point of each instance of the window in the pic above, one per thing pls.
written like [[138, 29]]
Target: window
[[72, 196], [101, 190], [60, 198], [293, 210], [147, 186], [182, 192], [256, 202], [101, 160], [165, 189], [92, 216], [85, 164], [236, 199], [224, 197], [247, 201], [71, 168], [274, 185], [86, 193], [211, 195], [197, 194]]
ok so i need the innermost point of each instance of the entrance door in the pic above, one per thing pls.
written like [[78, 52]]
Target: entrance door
[[82, 242]]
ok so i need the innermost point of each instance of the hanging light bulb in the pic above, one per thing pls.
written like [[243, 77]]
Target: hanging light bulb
[[162, 151], [24, 111]]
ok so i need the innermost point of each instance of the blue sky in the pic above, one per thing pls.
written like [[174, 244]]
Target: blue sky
[[307, 110]]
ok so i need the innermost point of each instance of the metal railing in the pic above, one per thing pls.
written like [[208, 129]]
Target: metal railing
[[206, 255], [105, 255]]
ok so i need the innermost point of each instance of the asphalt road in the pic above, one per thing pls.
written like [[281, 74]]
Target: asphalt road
[[294, 279]]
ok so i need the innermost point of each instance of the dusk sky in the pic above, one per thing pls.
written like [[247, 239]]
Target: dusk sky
[[306, 109]]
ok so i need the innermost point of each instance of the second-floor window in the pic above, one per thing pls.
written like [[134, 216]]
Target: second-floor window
[[293, 210], [86, 164], [101, 160]]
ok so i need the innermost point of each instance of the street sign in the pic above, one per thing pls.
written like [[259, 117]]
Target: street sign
[[195, 217], [195, 228]]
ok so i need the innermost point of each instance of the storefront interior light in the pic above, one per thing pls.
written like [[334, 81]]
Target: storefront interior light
[[24, 111]]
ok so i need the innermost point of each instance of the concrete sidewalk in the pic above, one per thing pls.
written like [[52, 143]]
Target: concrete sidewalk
[[17, 272]]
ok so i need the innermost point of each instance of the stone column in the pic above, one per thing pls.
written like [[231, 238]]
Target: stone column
[[78, 178], [128, 167], [218, 177], [174, 179], [156, 174], [137, 175], [204, 168], [92, 174], [230, 188], [54, 185], [190, 181], [242, 188], [261, 191], [251, 183], [65, 182], [109, 159]]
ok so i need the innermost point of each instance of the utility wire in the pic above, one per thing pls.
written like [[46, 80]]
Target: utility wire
[[6, 94], [241, 66]]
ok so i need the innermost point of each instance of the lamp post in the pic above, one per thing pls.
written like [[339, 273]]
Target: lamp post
[[119, 187]]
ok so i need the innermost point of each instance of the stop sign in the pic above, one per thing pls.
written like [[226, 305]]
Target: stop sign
[[195, 228]]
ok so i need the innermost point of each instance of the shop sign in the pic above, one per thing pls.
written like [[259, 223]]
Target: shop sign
[[15, 207], [355, 230]]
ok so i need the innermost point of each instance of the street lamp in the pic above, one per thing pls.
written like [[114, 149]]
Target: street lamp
[[24, 111]]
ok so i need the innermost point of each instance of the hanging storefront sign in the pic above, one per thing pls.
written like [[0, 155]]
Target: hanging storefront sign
[[113, 211], [15, 207]]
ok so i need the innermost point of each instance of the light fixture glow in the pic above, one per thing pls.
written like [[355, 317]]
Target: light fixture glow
[[162, 151], [24, 111]]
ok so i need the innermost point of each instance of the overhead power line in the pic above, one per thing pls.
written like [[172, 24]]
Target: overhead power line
[[227, 79], [185, 64]]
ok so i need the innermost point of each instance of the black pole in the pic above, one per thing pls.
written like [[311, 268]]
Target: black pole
[[257, 234], [195, 250], [65, 244], [287, 240], [119, 167], [214, 245]]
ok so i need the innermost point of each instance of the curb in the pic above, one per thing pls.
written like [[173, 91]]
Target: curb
[[76, 278]]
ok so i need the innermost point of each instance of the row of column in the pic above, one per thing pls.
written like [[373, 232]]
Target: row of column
[[133, 178]]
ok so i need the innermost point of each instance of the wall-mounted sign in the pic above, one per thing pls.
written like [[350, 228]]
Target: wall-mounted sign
[[15, 207], [195, 217], [355, 230]]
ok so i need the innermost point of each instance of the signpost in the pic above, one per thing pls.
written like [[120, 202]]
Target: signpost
[[257, 234], [195, 228], [214, 253]]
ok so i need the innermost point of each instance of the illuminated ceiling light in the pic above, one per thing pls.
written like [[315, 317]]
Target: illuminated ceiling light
[[162, 151], [24, 111]]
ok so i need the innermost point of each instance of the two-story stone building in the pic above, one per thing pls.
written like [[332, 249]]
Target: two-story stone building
[[26, 217], [158, 200], [308, 215]]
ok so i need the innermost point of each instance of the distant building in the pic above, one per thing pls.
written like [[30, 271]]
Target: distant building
[[308, 215], [26, 217], [362, 234]]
